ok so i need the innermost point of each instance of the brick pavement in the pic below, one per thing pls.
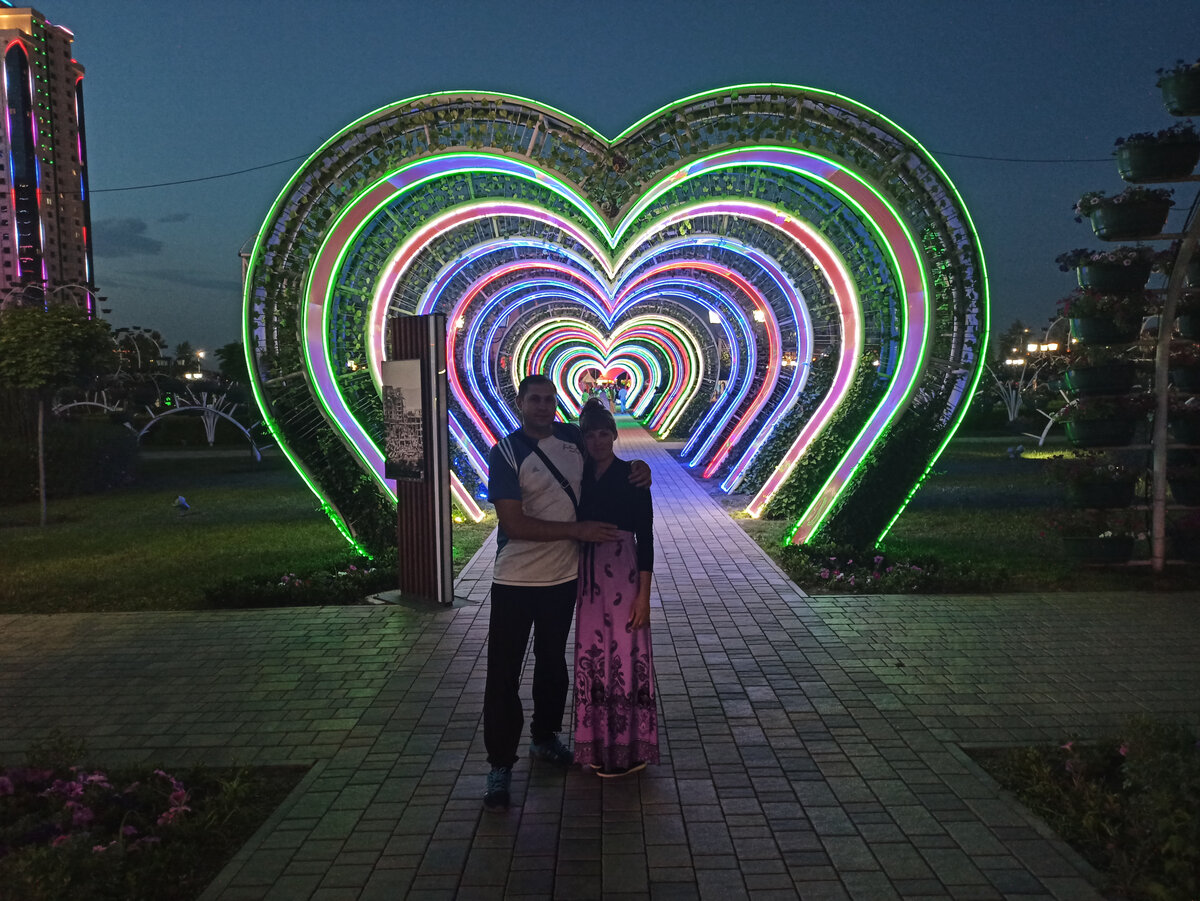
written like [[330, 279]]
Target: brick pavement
[[811, 746]]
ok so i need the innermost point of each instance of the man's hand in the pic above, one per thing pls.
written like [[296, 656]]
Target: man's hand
[[639, 474], [596, 532]]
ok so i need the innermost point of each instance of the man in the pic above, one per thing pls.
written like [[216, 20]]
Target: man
[[535, 475]]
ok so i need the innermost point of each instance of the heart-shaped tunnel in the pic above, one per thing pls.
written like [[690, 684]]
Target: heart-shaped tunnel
[[785, 281]]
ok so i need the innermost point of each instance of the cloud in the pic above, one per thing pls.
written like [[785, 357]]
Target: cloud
[[175, 217], [195, 279], [123, 238]]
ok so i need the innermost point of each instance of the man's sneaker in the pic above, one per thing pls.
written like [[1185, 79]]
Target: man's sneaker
[[498, 782], [552, 751]]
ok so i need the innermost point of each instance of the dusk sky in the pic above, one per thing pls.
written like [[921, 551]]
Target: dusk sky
[[178, 91]]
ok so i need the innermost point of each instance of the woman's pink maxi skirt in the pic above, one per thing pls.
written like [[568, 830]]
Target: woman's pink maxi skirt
[[616, 723]]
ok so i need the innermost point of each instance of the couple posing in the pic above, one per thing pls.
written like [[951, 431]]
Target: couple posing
[[575, 538]]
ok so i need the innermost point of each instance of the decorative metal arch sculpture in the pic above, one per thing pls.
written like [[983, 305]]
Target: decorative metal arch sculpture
[[789, 240]]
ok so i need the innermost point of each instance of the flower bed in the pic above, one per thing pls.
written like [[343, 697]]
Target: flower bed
[[76, 831], [1126, 803]]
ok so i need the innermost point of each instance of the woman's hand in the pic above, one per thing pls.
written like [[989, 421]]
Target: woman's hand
[[639, 612]]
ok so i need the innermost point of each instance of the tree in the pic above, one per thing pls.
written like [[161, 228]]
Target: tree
[[232, 358], [138, 349], [185, 357], [42, 351]]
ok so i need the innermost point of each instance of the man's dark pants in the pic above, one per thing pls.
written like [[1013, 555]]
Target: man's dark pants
[[515, 608]]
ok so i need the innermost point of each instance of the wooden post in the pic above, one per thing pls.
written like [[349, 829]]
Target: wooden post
[[420, 463]]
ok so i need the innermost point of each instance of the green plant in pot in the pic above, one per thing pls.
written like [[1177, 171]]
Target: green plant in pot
[[1096, 479], [1184, 367], [1184, 534], [1166, 155], [1098, 536], [1187, 315], [1180, 86], [1105, 420], [1099, 369], [1184, 479], [1104, 318], [1164, 262], [1133, 214], [1183, 416], [1119, 270]]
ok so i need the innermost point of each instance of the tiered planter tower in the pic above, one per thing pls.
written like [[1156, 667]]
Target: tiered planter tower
[[1147, 163]]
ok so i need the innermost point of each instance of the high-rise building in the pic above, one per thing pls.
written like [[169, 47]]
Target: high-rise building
[[45, 221]]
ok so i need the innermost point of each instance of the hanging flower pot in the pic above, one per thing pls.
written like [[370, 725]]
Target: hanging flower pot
[[1101, 495], [1129, 221], [1183, 544], [1181, 89], [1167, 155], [1116, 549], [1114, 378], [1104, 330], [1144, 163], [1105, 421], [1114, 278], [1100, 432], [1186, 378], [1186, 429], [1185, 491], [1133, 214], [1114, 270]]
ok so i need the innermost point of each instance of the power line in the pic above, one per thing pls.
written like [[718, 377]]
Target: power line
[[292, 159], [188, 181], [1017, 159]]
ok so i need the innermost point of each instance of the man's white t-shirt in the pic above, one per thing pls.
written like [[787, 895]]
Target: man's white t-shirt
[[515, 472]]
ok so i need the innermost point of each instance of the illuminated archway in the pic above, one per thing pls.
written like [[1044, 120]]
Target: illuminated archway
[[790, 243]]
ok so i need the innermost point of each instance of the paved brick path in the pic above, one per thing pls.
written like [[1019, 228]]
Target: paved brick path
[[811, 746]]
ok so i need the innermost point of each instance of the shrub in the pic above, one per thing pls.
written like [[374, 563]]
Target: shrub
[[1127, 803], [82, 457]]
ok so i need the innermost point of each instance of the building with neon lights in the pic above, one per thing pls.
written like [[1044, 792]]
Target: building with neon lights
[[45, 220]]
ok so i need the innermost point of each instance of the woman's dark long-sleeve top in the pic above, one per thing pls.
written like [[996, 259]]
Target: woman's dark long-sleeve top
[[612, 499]]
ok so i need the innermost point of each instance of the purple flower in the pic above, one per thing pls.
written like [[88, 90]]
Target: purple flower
[[879, 559], [6, 786]]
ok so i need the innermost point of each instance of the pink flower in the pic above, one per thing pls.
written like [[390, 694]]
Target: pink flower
[[60, 840], [129, 830], [824, 574], [879, 559], [1068, 746], [1123, 750], [82, 816]]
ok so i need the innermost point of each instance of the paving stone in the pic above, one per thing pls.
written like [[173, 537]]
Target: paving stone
[[809, 745]]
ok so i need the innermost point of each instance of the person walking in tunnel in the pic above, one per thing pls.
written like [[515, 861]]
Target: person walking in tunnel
[[616, 721], [535, 474]]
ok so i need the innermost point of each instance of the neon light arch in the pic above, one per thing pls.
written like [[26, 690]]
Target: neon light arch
[[836, 252]]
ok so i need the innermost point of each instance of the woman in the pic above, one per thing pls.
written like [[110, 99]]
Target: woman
[[616, 723]]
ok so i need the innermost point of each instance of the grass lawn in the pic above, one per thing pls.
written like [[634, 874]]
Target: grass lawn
[[132, 549], [982, 511]]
